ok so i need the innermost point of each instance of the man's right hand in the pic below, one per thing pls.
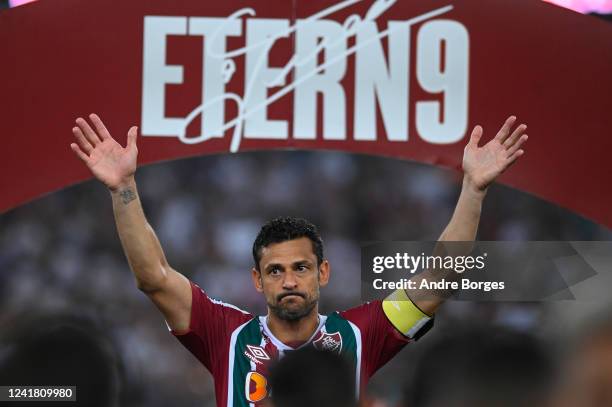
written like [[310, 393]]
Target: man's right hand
[[109, 162], [115, 166]]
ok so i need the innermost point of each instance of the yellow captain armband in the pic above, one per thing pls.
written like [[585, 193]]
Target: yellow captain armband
[[405, 316]]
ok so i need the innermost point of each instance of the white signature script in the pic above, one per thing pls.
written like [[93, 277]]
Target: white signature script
[[350, 27]]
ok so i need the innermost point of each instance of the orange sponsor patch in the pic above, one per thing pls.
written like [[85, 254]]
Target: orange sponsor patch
[[255, 387]]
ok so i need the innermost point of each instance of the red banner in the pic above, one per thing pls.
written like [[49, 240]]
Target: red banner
[[398, 79]]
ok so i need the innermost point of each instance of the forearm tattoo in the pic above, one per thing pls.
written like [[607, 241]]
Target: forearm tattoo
[[127, 196]]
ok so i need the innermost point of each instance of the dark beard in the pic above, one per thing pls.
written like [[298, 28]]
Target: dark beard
[[293, 315]]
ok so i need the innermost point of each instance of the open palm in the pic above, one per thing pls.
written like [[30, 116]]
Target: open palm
[[109, 162], [483, 164]]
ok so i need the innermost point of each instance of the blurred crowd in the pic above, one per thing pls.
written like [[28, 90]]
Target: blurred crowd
[[60, 256]]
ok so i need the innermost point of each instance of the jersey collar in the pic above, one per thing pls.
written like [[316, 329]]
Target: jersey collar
[[263, 322]]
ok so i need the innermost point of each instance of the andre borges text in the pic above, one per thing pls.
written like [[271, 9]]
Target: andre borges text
[[403, 262]]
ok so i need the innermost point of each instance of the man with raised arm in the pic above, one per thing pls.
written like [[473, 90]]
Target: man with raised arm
[[289, 268]]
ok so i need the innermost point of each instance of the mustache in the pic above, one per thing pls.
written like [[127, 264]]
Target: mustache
[[283, 295]]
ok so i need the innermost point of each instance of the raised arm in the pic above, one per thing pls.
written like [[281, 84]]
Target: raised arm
[[115, 166], [481, 166]]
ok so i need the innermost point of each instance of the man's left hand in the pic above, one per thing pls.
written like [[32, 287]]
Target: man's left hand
[[482, 165]]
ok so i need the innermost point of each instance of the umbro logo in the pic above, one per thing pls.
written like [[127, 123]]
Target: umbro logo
[[256, 354]]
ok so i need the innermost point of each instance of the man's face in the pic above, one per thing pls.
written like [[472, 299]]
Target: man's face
[[290, 279]]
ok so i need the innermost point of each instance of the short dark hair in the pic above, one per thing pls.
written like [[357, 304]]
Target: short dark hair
[[481, 366], [63, 349], [286, 228], [310, 377]]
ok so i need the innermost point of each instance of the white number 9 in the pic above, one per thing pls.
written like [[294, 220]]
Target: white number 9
[[452, 79]]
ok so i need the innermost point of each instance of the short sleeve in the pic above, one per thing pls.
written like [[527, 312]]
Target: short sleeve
[[386, 327], [380, 341], [210, 327]]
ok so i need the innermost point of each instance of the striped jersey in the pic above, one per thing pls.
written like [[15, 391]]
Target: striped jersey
[[238, 347]]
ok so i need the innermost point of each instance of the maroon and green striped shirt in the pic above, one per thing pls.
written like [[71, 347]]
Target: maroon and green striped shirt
[[237, 347]]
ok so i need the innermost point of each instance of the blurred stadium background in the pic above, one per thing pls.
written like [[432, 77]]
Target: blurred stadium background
[[60, 255]]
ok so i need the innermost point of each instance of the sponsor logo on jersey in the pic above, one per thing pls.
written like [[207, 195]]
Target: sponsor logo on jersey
[[256, 354], [329, 342], [255, 387]]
